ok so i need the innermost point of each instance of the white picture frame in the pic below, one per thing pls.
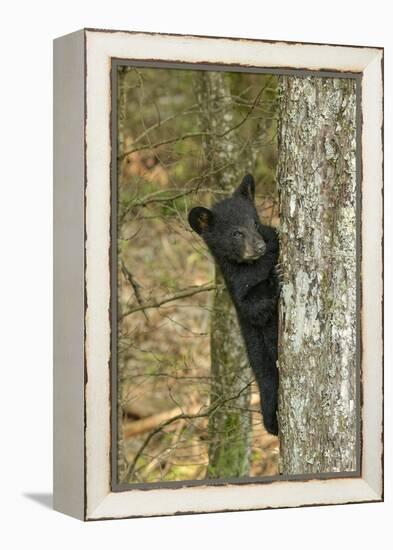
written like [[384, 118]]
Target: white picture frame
[[82, 247]]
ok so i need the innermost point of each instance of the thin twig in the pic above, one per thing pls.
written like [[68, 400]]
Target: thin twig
[[134, 285], [160, 123]]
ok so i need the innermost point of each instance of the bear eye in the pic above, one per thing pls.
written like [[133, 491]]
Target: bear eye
[[237, 234], [256, 224]]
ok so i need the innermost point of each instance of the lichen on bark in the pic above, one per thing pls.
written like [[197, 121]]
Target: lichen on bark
[[317, 356]]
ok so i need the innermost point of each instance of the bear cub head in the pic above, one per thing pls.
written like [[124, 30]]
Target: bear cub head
[[232, 228]]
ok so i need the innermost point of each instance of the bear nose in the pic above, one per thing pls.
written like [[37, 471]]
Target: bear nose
[[261, 247]]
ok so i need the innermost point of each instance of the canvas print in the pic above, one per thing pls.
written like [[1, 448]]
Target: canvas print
[[235, 283]]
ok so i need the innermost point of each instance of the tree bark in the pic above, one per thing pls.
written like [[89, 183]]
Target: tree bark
[[317, 355], [230, 427]]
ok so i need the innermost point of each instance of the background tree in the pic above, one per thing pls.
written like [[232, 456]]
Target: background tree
[[317, 361], [229, 159]]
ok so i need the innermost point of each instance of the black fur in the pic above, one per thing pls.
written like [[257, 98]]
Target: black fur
[[247, 254]]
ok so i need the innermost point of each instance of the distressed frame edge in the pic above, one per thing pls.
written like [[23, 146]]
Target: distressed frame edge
[[359, 492], [372, 329], [375, 488], [236, 38]]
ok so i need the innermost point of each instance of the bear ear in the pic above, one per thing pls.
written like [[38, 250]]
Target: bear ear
[[247, 188], [200, 219]]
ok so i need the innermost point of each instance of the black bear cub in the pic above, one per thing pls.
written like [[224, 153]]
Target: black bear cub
[[247, 253]]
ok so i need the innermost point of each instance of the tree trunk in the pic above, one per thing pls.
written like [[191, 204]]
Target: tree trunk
[[317, 355], [230, 427]]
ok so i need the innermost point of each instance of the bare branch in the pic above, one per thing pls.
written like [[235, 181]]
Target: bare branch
[[181, 416], [163, 199], [219, 135], [185, 293], [160, 123], [148, 423], [143, 425]]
